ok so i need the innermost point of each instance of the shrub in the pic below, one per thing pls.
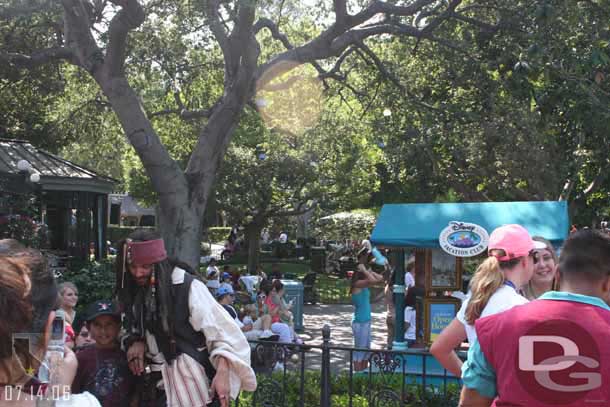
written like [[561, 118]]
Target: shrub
[[94, 280], [345, 225], [286, 390], [218, 234]]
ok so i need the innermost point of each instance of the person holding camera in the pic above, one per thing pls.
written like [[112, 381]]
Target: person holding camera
[[191, 350], [362, 279], [29, 291]]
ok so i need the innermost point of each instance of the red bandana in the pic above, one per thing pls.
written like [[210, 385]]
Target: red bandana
[[148, 252]]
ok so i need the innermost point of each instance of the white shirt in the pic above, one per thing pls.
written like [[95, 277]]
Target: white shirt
[[409, 280], [213, 282], [410, 319], [249, 282], [223, 338], [265, 236], [503, 299], [283, 238]]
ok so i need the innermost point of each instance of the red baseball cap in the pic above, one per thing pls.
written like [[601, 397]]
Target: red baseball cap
[[515, 240]]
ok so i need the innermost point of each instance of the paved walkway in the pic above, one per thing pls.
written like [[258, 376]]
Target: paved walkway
[[339, 318]]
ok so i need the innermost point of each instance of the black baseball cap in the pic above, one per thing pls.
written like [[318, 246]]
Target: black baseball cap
[[103, 307]]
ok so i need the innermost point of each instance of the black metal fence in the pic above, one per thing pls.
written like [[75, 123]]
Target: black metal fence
[[324, 376]]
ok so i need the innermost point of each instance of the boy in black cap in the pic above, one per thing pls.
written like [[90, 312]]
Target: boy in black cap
[[102, 368]]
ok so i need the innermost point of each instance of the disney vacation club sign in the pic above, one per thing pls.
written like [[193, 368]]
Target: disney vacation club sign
[[463, 239]]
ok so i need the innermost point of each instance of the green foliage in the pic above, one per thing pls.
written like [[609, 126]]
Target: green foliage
[[21, 228], [94, 280], [345, 225], [218, 234], [21, 225], [363, 387], [512, 112]]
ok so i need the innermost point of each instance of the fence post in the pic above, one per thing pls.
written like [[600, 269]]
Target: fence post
[[325, 379]]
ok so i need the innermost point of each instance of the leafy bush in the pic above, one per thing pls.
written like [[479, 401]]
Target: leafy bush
[[21, 228], [345, 225], [94, 280], [362, 388], [218, 234]]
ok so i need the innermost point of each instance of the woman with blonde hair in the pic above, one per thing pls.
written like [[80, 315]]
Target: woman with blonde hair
[[68, 297], [494, 288], [545, 277]]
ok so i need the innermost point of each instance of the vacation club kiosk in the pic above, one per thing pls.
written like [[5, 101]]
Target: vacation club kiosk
[[443, 237]]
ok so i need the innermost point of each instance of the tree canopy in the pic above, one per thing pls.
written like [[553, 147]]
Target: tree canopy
[[486, 100]]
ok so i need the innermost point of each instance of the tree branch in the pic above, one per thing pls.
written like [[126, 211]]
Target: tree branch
[[597, 182], [17, 10], [37, 58], [78, 37], [340, 7], [264, 22], [212, 13], [129, 18]]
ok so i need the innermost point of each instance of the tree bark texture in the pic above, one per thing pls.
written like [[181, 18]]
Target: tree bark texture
[[253, 235]]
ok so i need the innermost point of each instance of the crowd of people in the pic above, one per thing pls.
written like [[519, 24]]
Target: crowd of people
[[522, 289], [176, 345], [170, 337], [174, 339]]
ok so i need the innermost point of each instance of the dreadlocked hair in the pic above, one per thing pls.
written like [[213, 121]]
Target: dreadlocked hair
[[486, 280], [126, 286]]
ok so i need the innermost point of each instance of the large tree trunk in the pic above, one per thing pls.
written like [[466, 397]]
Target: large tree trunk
[[180, 227], [180, 216], [253, 234]]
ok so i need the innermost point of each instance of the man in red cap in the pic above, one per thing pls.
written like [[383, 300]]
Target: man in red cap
[[174, 325]]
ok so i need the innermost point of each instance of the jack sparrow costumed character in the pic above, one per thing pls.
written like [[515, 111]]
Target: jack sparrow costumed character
[[175, 327]]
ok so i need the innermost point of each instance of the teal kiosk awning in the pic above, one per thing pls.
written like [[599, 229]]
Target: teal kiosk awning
[[419, 225]]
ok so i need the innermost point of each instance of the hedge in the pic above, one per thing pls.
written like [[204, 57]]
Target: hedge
[[362, 386], [94, 280], [218, 234]]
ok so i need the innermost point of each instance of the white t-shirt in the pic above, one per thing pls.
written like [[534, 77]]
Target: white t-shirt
[[249, 282], [410, 319], [213, 277], [409, 280], [503, 299]]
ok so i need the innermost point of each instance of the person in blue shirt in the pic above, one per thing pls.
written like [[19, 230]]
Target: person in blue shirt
[[362, 279]]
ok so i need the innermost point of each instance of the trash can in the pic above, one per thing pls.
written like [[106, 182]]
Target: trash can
[[293, 291], [318, 259]]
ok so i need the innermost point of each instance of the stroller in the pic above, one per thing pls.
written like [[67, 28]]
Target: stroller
[[310, 294]]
